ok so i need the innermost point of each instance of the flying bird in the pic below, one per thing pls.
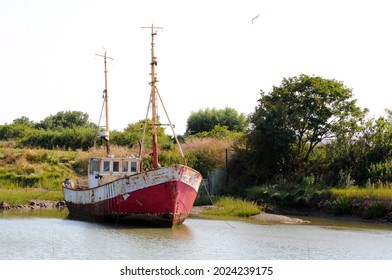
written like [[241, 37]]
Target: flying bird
[[255, 18]]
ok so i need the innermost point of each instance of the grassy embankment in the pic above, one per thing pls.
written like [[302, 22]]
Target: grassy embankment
[[24, 196], [370, 202], [27, 174]]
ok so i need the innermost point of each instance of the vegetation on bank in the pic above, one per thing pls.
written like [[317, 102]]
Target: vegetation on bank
[[42, 168], [232, 207], [367, 203], [23, 196], [27, 168]]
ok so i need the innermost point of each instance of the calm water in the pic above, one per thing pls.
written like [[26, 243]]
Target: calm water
[[49, 234]]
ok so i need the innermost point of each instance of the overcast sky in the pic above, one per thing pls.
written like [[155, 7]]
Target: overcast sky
[[210, 55]]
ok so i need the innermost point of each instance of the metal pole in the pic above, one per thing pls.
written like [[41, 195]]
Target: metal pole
[[106, 101]]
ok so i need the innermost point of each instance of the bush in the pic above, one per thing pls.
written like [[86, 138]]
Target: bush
[[320, 199], [376, 209], [381, 171], [15, 131], [69, 138], [343, 206], [257, 193]]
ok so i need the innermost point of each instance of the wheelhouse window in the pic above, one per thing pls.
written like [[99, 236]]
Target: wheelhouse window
[[125, 166], [94, 166], [133, 166], [116, 166], [106, 166]]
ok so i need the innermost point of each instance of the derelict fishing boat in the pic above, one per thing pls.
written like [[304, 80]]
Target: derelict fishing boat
[[119, 190]]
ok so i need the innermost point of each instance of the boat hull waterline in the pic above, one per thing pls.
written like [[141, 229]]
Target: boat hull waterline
[[161, 197]]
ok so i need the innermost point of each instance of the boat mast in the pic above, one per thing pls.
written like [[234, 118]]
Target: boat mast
[[105, 135], [153, 100], [153, 103]]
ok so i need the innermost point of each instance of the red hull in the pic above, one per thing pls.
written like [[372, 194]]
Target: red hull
[[164, 204]]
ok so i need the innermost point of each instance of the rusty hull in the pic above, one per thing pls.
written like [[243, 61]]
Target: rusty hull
[[163, 197]]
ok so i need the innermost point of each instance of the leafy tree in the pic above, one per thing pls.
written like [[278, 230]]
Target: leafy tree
[[363, 156], [24, 121], [133, 133], [219, 132], [381, 139], [294, 118], [205, 120], [66, 119]]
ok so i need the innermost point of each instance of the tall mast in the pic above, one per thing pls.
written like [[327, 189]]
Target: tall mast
[[105, 135], [153, 100]]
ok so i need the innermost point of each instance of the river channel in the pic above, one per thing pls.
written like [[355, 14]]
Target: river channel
[[49, 234]]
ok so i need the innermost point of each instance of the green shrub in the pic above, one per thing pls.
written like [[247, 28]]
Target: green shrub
[[378, 209], [320, 198], [343, 206], [256, 193], [276, 197], [381, 171]]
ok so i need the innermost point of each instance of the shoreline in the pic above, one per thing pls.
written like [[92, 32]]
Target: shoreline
[[196, 212]]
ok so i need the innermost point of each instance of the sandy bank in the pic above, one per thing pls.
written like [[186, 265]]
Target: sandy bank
[[262, 217]]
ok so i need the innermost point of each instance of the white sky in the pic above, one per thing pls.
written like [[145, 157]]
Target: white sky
[[210, 54]]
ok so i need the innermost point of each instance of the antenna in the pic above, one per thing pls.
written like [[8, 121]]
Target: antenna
[[105, 135], [152, 28]]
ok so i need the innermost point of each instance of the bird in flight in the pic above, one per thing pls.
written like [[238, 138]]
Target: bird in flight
[[255, 18]]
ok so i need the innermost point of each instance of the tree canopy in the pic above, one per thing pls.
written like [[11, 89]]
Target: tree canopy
[[205, 120], [24, 121], [296, 116], [66, 119]]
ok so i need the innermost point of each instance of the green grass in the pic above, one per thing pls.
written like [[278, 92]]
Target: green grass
[[233, 207], [363, 193], [22, 196], [35, 168]]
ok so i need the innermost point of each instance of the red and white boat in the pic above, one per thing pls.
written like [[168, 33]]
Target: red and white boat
[[118, 190]]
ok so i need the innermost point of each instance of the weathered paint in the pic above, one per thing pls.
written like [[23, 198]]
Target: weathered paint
[[161, 197]]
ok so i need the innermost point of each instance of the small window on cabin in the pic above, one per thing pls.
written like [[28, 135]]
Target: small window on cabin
[[125, 166], [116, 166], [133, 166], [94, 166], [106, 166]]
